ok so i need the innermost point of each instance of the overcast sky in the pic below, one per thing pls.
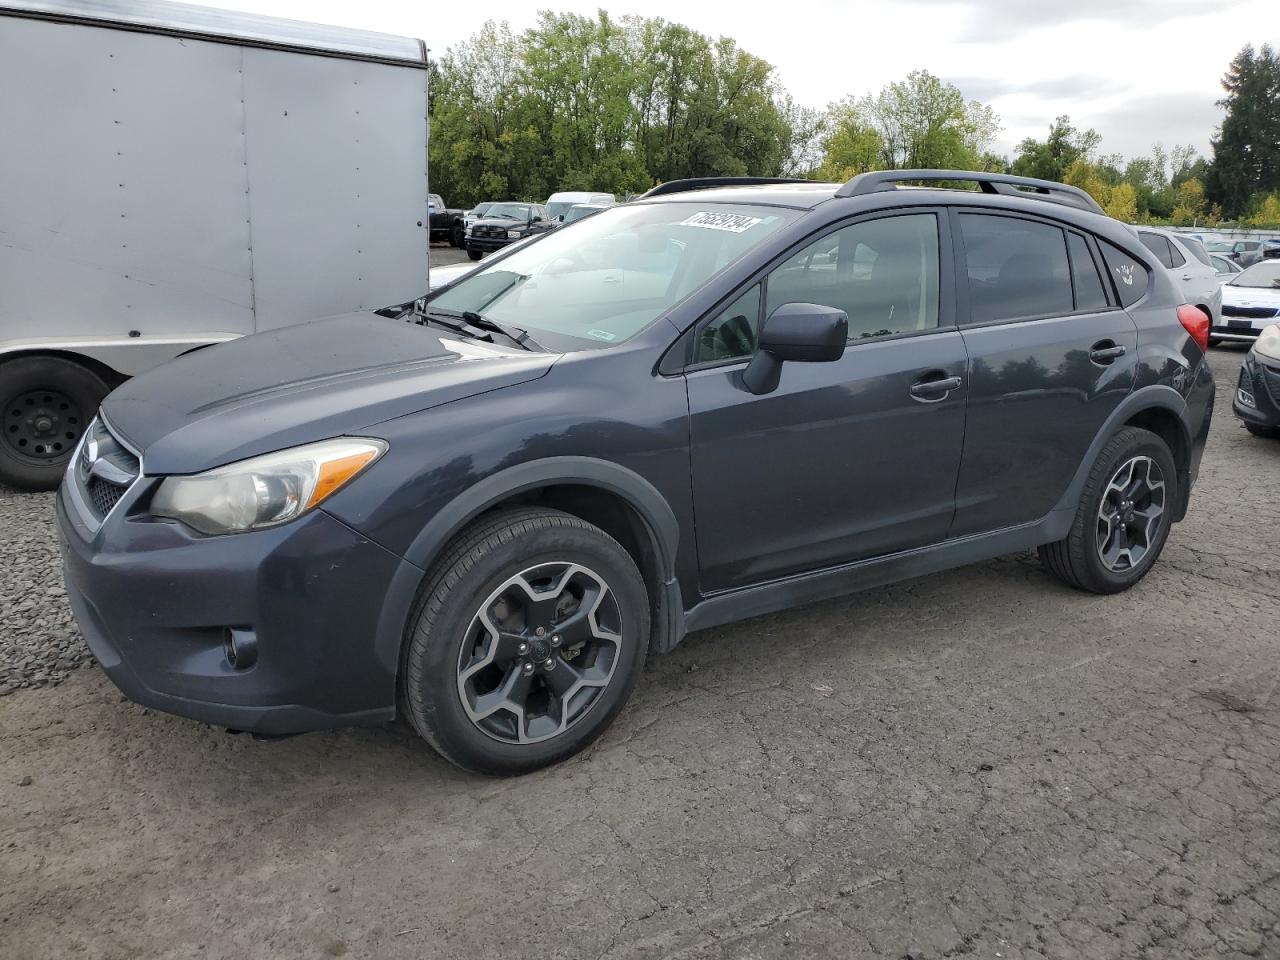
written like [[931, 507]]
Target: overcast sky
[[1137, 71]]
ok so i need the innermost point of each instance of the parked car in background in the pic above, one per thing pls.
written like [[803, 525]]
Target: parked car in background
[[1244, 252], [132, 131], [1223, 268], [559, 203], [1271, 249], [1250, 302], [1191, 267], [501, 225], [1257, 399], [471, 216], [580, 211], [446, 223], [486, 513]]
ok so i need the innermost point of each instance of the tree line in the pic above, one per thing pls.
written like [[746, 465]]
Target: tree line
[[621, 104]]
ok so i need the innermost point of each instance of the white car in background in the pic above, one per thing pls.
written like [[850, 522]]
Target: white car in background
[[1250, 303], [1223, 268], [1189, 263], [558, 204]]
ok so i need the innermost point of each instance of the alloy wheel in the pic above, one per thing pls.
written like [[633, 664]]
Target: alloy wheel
[[1130, 514], [539, 652]]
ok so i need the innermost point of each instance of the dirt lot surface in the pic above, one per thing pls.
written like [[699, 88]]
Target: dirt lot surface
[[977, 763]]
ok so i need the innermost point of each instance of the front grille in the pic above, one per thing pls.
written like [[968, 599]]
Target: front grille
[[104, 470], [497, 233], [103, 496], [1252, 313]]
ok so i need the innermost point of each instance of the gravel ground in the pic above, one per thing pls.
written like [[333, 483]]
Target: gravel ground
[[976, 763]]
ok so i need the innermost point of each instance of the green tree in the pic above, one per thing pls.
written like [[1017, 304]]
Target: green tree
[[1246, 151], [1122, 203], [924, 122], [1189, 207], [1050, 158], [1267, 216], [851, 146]]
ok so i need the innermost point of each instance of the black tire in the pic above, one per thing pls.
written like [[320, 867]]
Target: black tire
[[1260, 431], [1077, 560], [37, 391], [441, 648], [456, 238], [474, 254]]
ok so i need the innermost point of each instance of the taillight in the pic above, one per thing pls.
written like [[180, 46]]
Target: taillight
[[1196, 322]]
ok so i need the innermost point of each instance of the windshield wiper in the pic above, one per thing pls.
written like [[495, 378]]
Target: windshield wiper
[[479, 328], [517, 335]]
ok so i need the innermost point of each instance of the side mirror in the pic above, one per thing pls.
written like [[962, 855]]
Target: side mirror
[[536, 219], [799, 332], [561, 218]]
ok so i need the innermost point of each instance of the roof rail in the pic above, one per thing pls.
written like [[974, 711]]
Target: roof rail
[[706, 183], [1002, 183]]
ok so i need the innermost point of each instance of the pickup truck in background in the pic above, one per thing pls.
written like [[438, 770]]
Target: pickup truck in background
[[173, 176], [446, 223]]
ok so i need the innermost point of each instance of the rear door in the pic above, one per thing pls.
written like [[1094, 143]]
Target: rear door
[[1051, 355], [844, 460]]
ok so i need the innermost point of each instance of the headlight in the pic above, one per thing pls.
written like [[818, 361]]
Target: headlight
[[264, 491], [1268, 344]]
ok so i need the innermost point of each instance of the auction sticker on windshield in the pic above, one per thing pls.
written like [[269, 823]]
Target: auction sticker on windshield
[[729, 222]]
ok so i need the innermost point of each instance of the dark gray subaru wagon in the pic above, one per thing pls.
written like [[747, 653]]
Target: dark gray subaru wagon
[[482, 510]]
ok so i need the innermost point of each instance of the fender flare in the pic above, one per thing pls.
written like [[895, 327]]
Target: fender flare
[[1144, 398], [659, 519]]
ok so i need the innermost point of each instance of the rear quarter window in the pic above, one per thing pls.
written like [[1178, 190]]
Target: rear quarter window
[[1129, 276]]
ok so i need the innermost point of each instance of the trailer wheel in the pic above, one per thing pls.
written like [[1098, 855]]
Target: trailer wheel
[[48, 402]]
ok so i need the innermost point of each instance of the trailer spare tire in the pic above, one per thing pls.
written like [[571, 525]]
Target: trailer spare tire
[[47, 403]]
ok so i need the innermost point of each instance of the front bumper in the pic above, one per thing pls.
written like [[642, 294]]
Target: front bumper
[[1260, 382], [489, 244], [154, 602], [1240, 329]]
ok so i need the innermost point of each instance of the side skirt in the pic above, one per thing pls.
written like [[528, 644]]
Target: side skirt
[[741, 603]]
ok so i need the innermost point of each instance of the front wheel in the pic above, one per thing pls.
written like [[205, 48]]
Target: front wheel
[[474, 254], [48, 401], [1124, 516], [529, 637]]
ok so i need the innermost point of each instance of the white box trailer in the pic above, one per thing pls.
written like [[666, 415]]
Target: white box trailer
[[173, 176]]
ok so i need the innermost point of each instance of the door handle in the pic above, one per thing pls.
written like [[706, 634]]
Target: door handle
[[1105, 351], [1186, 276], [931, 391]]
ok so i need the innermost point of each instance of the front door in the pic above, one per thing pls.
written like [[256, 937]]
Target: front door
[[844, 460], [1051, 355]]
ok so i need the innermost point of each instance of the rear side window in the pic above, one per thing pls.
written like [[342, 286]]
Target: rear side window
[[1128, 275], [1090, 295], [1016, 268], [1197, 250], [1159, 246]]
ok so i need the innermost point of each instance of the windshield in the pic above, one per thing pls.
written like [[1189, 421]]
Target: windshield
[[1259, 275], [607, 277], [578, 211], [482, 208], [512, 211]]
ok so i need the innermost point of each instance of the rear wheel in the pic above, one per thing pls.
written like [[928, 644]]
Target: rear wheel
[[48, 401], [1123, 518], [455, 236], [528, 640]]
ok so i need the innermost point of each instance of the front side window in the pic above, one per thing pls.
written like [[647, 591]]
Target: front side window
[[1017, 269], [1159, 246], [615, 272], [1197, 250], [882, 273], [732, 332], [1223, 265]]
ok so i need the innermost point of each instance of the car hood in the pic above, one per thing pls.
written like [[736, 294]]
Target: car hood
[[313, 381], [1250, 296]]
